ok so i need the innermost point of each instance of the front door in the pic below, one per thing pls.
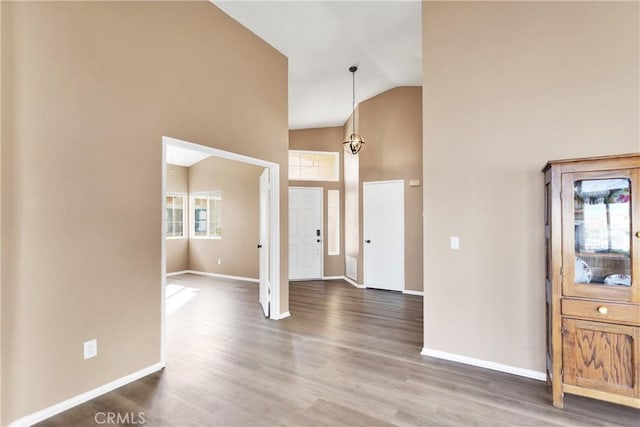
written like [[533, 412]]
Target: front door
[[305, 233], [384, 235]]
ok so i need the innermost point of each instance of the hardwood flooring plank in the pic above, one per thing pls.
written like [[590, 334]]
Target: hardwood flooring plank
[[330, 414], [345, 357]]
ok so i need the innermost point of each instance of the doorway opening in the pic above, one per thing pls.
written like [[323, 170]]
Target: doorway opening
[[204, 224]]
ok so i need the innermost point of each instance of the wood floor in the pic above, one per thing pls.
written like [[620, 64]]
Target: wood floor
[[347, 356]]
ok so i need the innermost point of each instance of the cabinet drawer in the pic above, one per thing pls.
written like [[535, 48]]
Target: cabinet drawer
[[602, 310]]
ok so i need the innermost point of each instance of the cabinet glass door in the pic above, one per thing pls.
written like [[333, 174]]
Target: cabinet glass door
[[602, 219], [600, 235]]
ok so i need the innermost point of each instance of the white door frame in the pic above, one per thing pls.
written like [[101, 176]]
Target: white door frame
[[274, 225], [263, 241], [364, 228], [321, 230]]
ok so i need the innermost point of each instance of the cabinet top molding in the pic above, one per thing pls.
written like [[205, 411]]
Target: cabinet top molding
[[613, 158]]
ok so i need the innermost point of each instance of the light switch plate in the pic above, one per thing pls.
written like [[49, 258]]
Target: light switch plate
[[90, 349], [455, 242]]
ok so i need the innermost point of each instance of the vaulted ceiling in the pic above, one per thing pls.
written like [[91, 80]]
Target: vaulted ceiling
[[322, 39]]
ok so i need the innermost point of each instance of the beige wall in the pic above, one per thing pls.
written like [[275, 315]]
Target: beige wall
[[324, 139], [1, 137], [178, 249], [391, 123], [237, 250], [88, 90], [177, 179], [508, 86]]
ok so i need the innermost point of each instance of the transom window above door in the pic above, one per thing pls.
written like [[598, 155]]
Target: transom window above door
[[314, 165]]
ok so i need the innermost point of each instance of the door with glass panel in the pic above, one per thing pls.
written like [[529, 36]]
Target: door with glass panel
[[598, 240]]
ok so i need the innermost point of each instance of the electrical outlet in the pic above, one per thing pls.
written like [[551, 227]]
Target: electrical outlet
[[90, 349], [219, 261]]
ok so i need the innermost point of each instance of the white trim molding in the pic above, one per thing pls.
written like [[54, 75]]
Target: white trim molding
[[359, 286], [49, 412], [352, 282], [217, 276], [282, 316], [522, 372], [163, 259], [274, 238], [177, 273]]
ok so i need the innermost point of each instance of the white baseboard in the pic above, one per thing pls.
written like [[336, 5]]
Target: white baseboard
[[219, 276], [528, 373], [49, 412], [359, 286], [283, 315], [177, 273], [332, 277], [353, 283]]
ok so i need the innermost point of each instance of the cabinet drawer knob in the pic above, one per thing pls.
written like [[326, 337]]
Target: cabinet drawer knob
[[638, 234], [603, 310]]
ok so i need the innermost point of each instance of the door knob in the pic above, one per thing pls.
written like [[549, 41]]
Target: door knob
[[367, 241], [638, 234]]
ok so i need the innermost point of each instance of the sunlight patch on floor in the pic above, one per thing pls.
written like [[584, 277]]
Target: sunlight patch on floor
[[177, 296]]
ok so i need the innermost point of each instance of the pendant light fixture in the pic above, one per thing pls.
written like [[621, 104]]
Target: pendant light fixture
[[355, 142]]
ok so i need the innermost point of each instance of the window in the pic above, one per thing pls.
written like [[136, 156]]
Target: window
[[174, 226], [333, 222], [314, 165], [206, 212]]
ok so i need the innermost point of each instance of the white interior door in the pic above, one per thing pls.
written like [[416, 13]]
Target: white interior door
[[305, 233], [384, 235], [263, 245]]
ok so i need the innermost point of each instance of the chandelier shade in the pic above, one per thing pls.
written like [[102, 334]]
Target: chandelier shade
[[354, 143]]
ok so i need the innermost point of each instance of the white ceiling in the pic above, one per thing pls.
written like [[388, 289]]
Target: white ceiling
[[322, 39], [183, 156]]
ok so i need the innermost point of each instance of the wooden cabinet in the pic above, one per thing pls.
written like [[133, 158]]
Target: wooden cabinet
[[592, 243], [600, 357]]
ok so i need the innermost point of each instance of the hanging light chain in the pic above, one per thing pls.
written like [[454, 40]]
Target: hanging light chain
[[353, 124]]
